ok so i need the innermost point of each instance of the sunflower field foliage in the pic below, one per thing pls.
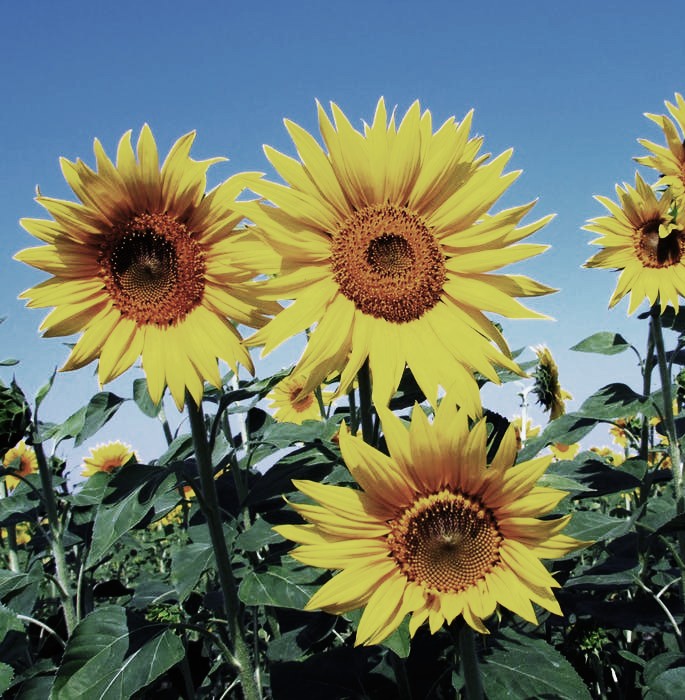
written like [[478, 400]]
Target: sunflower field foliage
[[357, 524]]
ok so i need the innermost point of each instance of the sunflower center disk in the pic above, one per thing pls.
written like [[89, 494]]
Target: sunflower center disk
[[153, 269], [386, 260], [445, 541], [655, 251], [304, 403]]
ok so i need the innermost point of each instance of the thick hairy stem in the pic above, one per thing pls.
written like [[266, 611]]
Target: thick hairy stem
[[236, 633]]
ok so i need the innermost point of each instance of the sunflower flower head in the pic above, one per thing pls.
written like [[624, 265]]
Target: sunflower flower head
[[22, 460], [644, 238], [668, 160], [107, 458], [22, 533], [547, 389], [387, 246], [434, 532], [290, 406], [147, 265], [561, 451], [521, 434]]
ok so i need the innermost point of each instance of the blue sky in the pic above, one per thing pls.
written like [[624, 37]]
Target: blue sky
[[564, 84]]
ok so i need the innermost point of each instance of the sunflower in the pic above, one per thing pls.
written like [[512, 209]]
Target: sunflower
[[644, 238], [562, 451], [22, 533], [547, 389], [435, 532], [290, 406], [388, 248], [522, 435], [669, 161], [147, 265], [107, 458], [27, 463]]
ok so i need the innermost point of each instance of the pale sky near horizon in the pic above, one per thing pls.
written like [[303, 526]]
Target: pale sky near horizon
[[564, 84]]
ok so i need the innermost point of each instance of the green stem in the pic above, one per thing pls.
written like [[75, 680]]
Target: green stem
[[56, 541], [365, 404], [229, 589], [469, 664], [669, 420], [646, 390]]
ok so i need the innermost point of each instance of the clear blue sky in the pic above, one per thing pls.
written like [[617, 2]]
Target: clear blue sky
[[564, 84]]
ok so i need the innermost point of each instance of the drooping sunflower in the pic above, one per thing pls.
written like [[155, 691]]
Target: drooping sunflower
[[644, 238], [670, 160], [547, 389], [290, 406], [28, 463], [388, 248], [435, 531], [107, 458], [147, 265]]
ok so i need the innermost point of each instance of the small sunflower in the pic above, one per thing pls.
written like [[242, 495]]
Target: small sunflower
[[435, 532], [644, 238], [22, 533], [547, 389], [616, 458], [670, 160], [562, 451], [290, 406], [28, 463], [107, 458], [147, 265], [388, 249]]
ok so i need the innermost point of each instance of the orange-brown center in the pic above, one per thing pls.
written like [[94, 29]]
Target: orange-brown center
[[153, 269], [445, 541], [387, 261], [302, 404], [655, 251]]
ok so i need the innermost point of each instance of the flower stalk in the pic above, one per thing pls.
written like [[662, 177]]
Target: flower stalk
[[56, 541], [240, 656], [469, 664]]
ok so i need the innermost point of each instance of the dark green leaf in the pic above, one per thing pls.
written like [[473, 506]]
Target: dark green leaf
[[656, 666], [188, 563], [616, 401], [11, 581], [567, 429], [92, 491], [141, 396], [106, 660], [278, 586], [594, 526], [132, 496], [525, 667], [181, 448], [43, 391], [9, 362], [6, 676], [259, 535], [604, 343], [669, 684], [87, 420]]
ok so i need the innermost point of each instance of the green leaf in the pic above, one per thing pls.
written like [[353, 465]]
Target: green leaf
[[107, 660], [141, 396], [526, 667], [188, 563], [656, 666], [92, 491], [259, 535], [6, 676], [43, 391], [11, 581], [85, 422], [595, 526], [134, 489], [669, 684], [279, 586], [604, 343], [9, 362], [567, 429], [616, 401], [181, 448]]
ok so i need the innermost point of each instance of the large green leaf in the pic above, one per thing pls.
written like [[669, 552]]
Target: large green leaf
[[616, 401], [132, 496], [258, 536], [141, 396], [188, 563], [88, 419], [6, 676], [604, 343], [669, 684], [11, 581], [517, 666], [592, 525], [567, 429], [108, 658], [279, 586]]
